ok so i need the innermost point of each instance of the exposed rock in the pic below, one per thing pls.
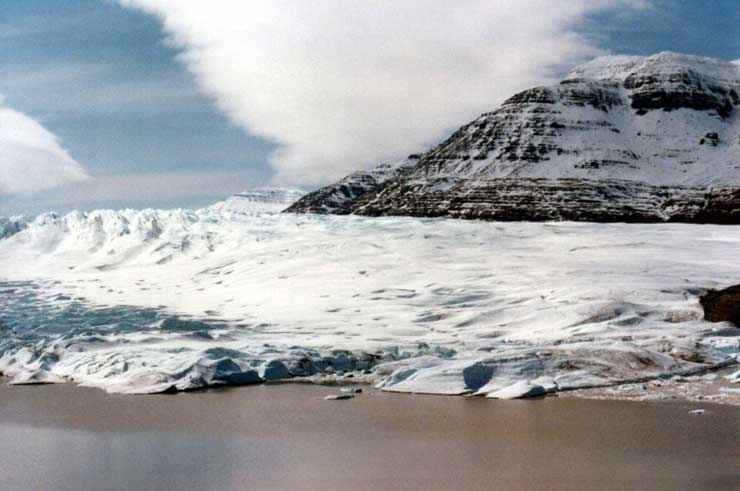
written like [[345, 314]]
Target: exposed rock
[[722, 305], [11, 226], [711, 138], [629, 139], [337, 197]]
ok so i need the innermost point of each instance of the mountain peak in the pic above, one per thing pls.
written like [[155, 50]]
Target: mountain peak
[[619, 67]]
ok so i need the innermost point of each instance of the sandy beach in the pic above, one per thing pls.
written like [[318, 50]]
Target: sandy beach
[[287, 437]]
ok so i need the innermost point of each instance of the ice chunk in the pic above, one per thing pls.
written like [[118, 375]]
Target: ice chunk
[[518, 390], [275, 370], [338, 397], [35, 377], [477, 375]]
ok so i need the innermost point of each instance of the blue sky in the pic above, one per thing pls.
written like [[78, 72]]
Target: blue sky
[[703, 28], [100, 77], [103, 79]]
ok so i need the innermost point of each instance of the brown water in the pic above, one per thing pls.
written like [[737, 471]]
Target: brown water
[[287, 437]]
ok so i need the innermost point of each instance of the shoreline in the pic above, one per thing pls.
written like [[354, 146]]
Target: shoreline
[[701, 386], [286, 435]]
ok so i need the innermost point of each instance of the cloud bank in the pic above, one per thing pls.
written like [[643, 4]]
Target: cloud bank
[[31, 157], [341, 85]]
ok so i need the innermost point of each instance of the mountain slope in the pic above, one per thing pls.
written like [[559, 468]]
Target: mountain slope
[[638, 139], [261, 200]]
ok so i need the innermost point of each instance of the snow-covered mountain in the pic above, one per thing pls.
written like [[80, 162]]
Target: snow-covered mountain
[[621, 138], [262, 199]]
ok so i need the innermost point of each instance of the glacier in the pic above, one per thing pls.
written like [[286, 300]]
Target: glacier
[[145, 301]]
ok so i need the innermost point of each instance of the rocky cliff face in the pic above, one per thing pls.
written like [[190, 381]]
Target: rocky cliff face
[[12, 225], [636, 139]]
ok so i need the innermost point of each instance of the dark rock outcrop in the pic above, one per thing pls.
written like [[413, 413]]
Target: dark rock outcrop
[[682, 88], [722, 305], [11, 226], [338, 198]]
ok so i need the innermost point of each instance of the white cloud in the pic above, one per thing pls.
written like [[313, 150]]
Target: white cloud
[[31, 157], [346, 84]]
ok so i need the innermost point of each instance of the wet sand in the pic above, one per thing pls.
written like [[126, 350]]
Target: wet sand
[[286, 437]]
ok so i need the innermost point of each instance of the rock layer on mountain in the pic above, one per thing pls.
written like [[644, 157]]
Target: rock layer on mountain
[[340, 197], [621, 138]]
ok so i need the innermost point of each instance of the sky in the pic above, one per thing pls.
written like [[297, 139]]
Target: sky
[[162, 103]]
